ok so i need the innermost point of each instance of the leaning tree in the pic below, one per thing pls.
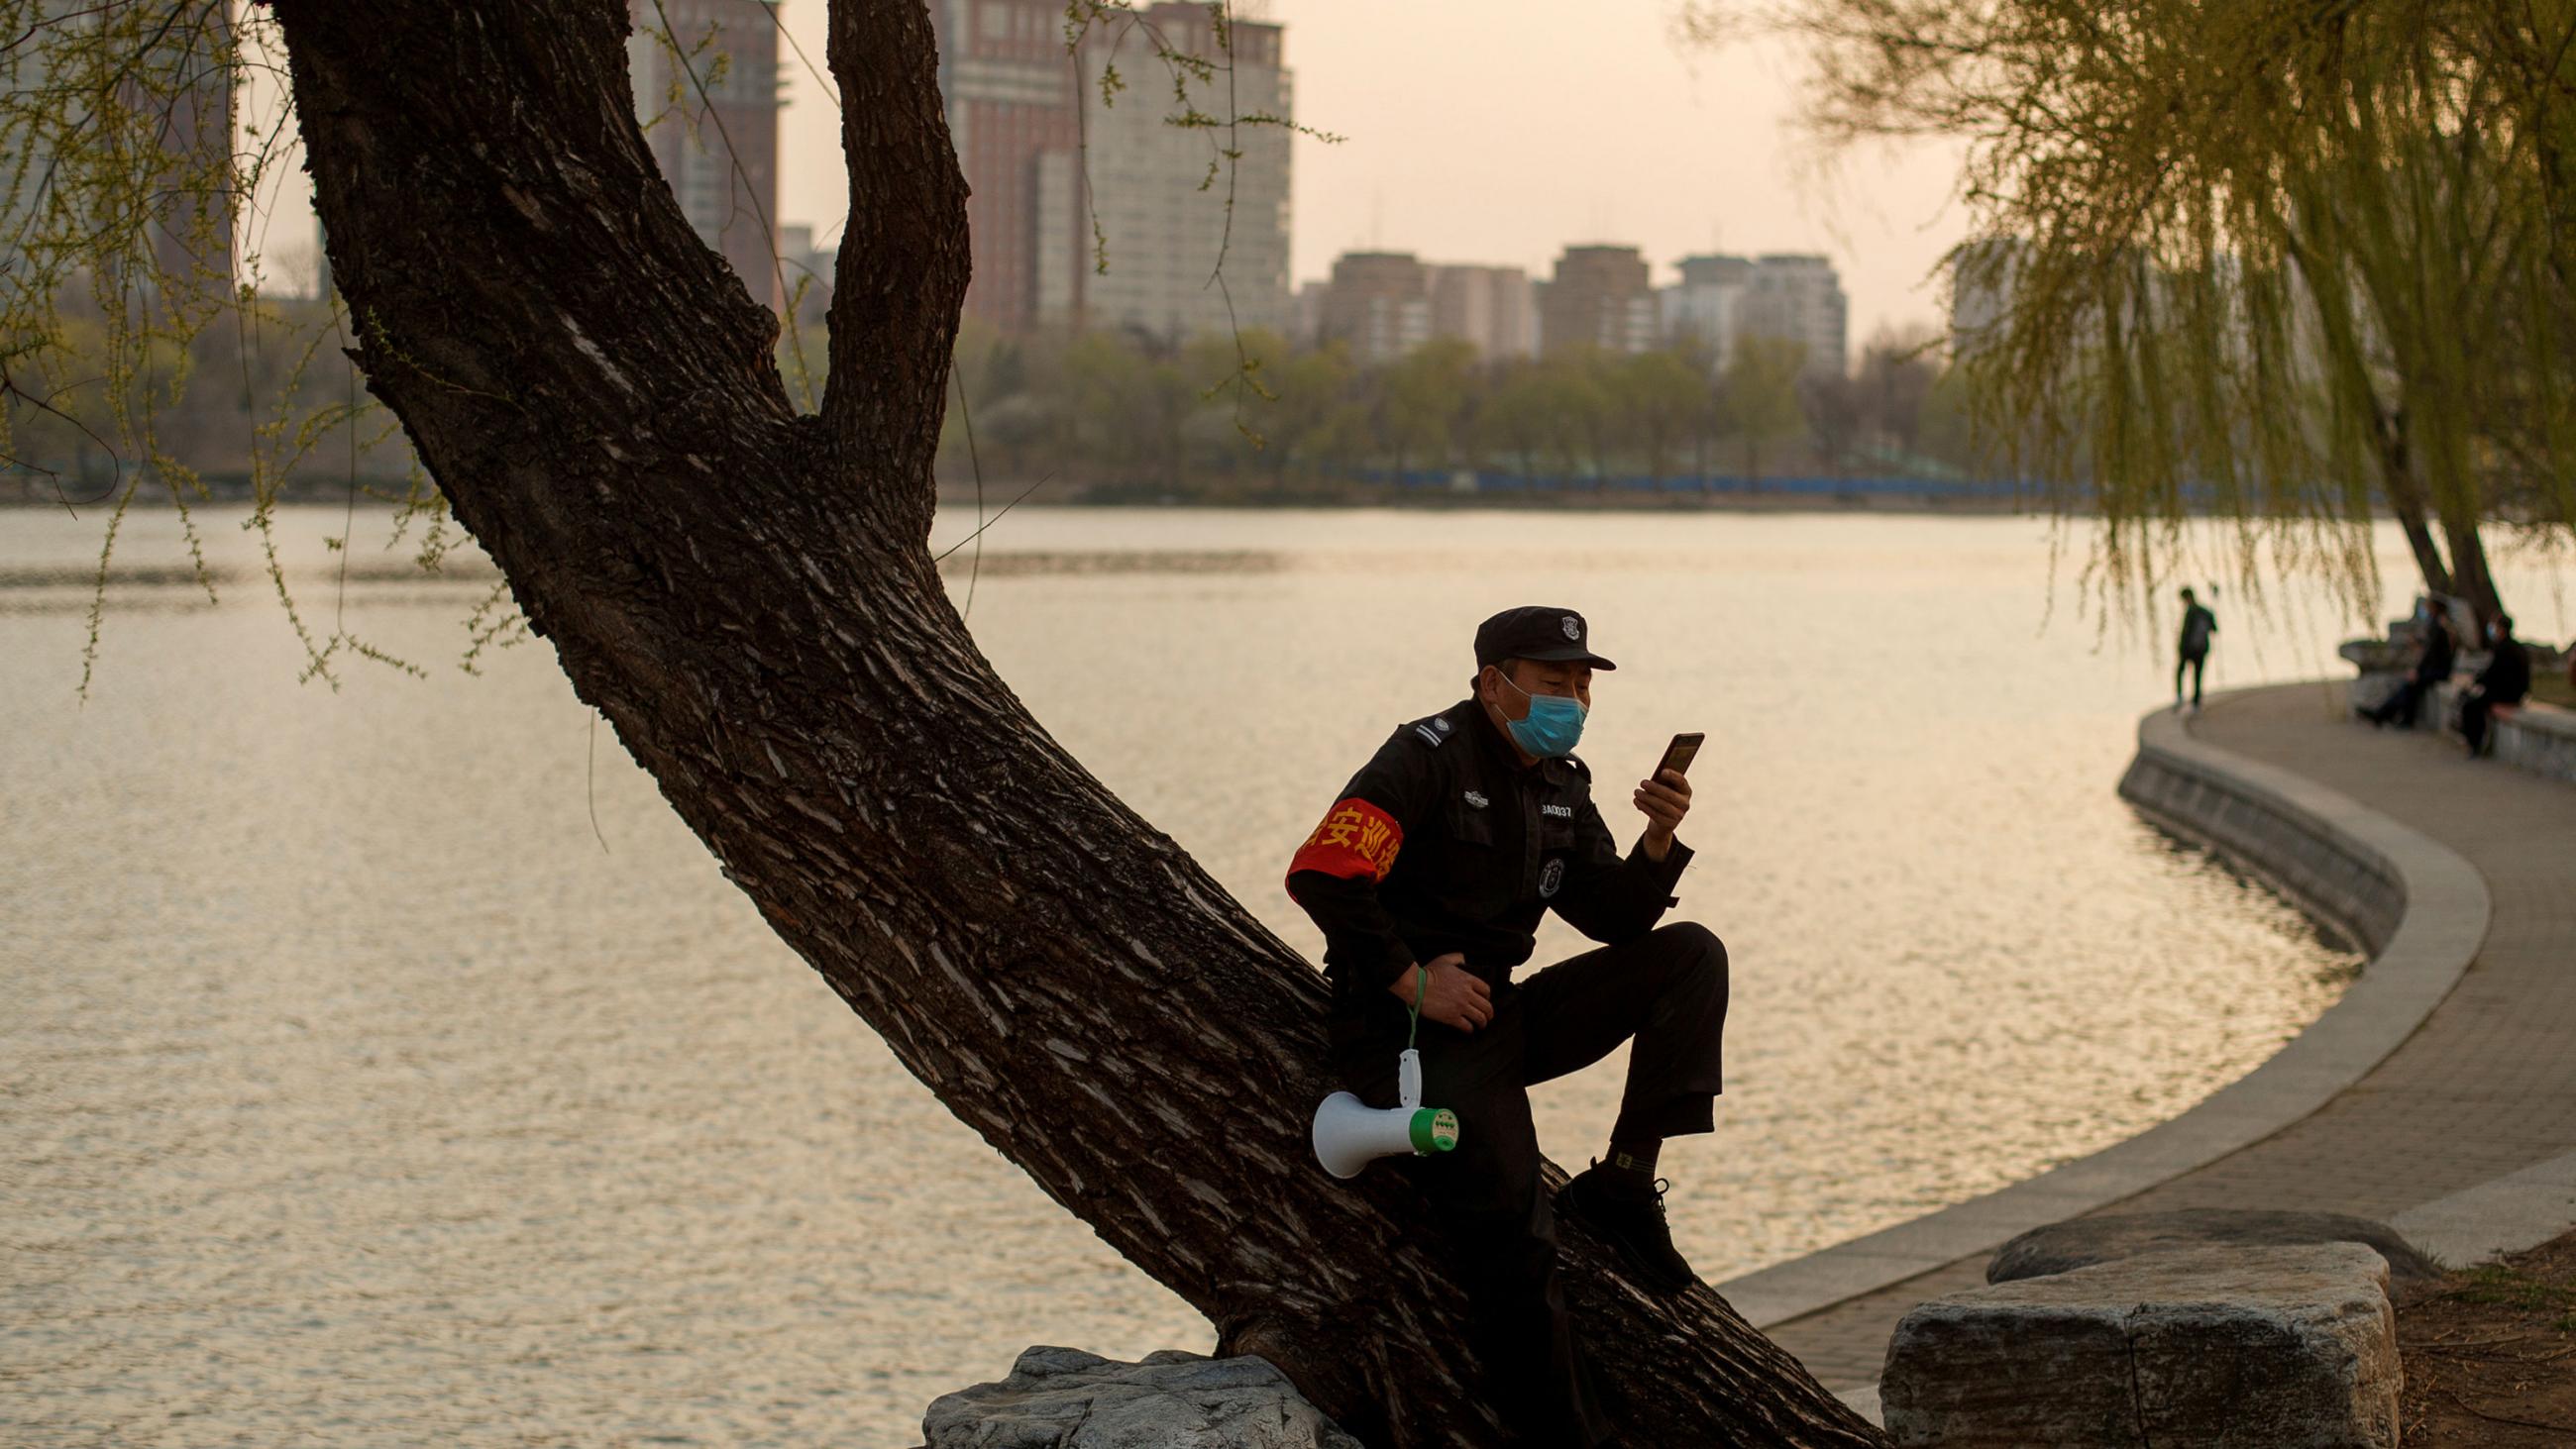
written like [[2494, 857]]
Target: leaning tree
[[745, 591]]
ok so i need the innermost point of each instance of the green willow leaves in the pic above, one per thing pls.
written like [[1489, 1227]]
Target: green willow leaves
[[2288, 262], [140, 346]]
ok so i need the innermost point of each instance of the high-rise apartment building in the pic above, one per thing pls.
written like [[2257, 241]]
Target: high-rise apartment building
[[1014, 117], [707, 94], [1382, 305], [1378, 305], [1169, 203], [1046, 159], [1701, 312], [1599, 297], [1721, 300], [1490, 307], [1799, 297]]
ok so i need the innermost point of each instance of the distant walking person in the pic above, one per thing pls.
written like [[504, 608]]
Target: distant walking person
[[2505, 680], [2192, 652], [2431, 668]]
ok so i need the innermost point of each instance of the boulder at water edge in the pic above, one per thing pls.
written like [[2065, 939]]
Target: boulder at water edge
[[2251, 1348], [1063, 1398], [2083, 1242]]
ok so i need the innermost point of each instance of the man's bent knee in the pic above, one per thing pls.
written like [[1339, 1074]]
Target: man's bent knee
[[1694, 944], [1694, 983]]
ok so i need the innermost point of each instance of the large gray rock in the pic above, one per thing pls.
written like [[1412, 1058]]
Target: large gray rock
[[2248, 1348], [1063, 1398], [2083, 1242]]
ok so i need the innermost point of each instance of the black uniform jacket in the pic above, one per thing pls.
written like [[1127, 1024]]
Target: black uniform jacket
[[1446, 842], [2435, 664], [2507, 677]]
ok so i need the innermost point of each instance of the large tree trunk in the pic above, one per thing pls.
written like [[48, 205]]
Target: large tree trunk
[[2470, 578], [2467, 577], [2406, 500], [747, 595]]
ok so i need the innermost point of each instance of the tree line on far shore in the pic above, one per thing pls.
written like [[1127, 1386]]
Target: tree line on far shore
[[266, 403], [1252, 415], [270, 396]]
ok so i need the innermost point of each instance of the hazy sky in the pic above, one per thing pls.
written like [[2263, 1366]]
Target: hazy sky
[[1501, 130]]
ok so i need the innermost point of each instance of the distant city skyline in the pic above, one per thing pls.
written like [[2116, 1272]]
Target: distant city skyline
[[1492, 131]]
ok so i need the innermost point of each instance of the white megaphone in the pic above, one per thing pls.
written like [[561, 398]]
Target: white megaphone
[[1350, 1134]]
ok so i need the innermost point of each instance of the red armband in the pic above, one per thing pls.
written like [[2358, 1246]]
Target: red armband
[[1357, 841]]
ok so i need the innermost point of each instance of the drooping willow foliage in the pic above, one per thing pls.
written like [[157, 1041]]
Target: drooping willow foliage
[[136, 141], [2290, 263], [140, 143]]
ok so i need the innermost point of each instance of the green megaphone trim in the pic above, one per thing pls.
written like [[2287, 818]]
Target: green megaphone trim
[[1434, 1129]]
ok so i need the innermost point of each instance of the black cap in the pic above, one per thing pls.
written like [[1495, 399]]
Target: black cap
[[1536, 632]]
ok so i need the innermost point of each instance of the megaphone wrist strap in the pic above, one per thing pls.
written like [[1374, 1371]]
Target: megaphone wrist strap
[[1421, 984]]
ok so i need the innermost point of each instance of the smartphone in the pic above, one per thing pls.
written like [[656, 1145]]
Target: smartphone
[[1678, 754]]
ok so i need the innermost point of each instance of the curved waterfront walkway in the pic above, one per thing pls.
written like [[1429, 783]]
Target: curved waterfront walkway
[[2464, 1133]]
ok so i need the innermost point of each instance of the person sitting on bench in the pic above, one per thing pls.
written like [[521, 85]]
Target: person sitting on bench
[[2431, 668], [2503, 683]]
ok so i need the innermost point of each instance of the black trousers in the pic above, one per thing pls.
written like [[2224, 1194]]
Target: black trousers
[[2399, 708], [2476, 713], [1666, 991], [2194, 663]]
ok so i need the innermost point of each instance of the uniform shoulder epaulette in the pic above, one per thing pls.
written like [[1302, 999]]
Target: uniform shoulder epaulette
[[1580, 768], [1434, 731]]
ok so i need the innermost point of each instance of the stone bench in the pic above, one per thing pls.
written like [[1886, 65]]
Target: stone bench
[[2530, 736], [2533, 736]]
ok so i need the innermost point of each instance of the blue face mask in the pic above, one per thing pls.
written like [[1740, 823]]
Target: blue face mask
[[1553, 725]]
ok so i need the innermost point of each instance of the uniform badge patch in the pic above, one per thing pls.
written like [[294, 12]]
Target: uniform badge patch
[[1573, 627], [1550, 878], [1440, 723], [1476, 799]]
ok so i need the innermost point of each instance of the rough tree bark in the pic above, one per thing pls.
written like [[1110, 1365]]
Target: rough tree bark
[[747, 595], [2470, 578], [2406, 500]]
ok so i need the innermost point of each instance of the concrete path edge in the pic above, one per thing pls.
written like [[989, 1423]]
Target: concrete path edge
[[2416, 904], [2502, 1215]]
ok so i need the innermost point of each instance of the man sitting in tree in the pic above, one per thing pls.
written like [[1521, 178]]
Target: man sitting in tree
[[1429, 877]]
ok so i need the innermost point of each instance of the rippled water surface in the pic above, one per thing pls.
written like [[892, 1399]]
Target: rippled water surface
[[389, 1066]]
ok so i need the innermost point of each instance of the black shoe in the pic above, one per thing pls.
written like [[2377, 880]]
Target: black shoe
[[1632, 1219]]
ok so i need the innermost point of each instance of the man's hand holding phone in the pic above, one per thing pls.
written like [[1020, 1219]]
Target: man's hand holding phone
[[1454, 997], [1664, 797]]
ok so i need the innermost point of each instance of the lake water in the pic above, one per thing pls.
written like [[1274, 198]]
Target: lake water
[[389, 1066]]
